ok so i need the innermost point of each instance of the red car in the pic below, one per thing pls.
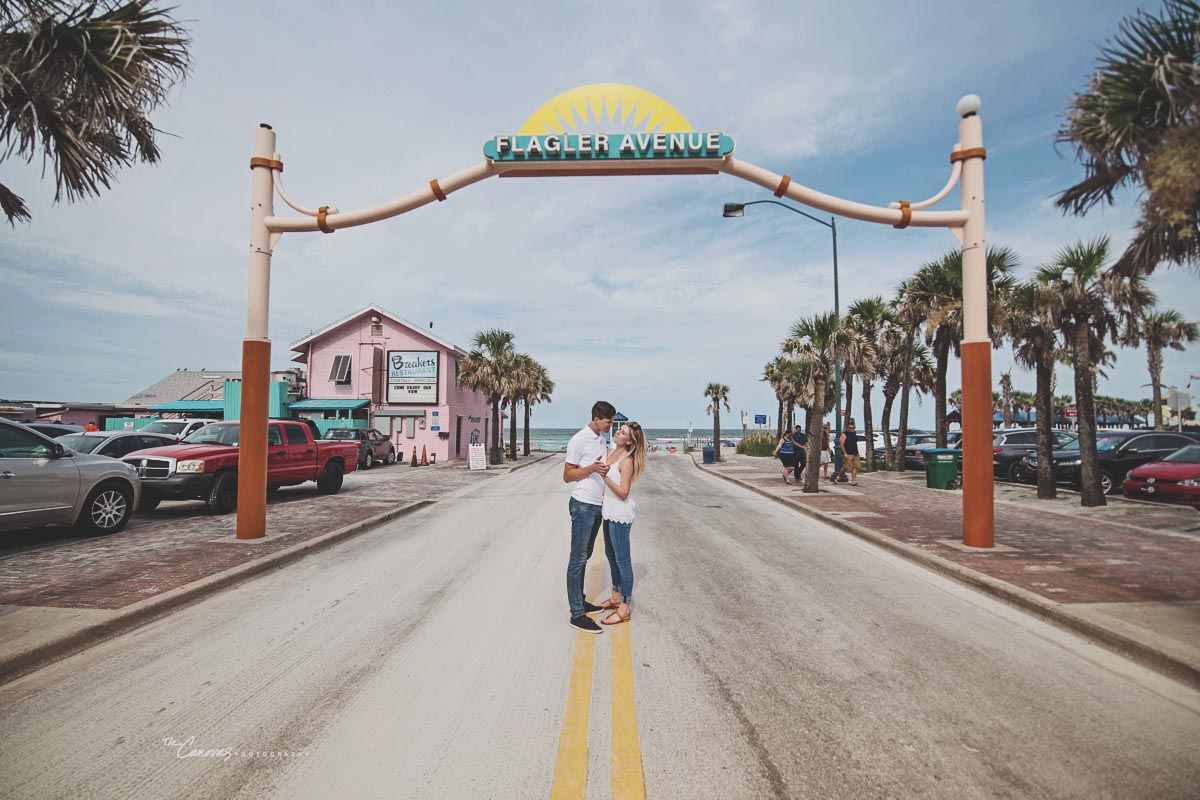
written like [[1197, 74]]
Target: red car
[[1175, 479]]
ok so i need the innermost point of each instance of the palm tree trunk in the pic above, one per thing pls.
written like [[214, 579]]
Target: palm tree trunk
[[1085, 400], [905, 386], [870, 429], [496, 434], [716, 433], [526, 427], [1154, 355], [779, 421], [888, 457], [512, 427], [1045, 421], [942, 351], [816, 414], [849, 399]]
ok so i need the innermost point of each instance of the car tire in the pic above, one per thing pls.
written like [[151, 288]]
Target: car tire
[[330, 481], [391, 456], [148, 504], [1014, 472], [369, 459], [222, 496], [272, 491], [107, 509], [1108, 484]]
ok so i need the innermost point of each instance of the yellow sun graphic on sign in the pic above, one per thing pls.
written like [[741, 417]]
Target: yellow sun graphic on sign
[[600, 102]]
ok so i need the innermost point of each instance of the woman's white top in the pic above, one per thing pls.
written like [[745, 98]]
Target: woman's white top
[[615, 508]]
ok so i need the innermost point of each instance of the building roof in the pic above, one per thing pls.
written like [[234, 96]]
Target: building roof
[[317, 404], [301, 355], [182, 384], [190, 406]]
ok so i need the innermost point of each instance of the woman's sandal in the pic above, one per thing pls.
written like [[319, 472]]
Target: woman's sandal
[[615, 618], [609, 605]]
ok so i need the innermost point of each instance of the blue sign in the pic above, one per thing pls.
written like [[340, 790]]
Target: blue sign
[[760, 419], [559, 147]]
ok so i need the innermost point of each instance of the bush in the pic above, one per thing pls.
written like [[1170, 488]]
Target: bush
[[757, 444]]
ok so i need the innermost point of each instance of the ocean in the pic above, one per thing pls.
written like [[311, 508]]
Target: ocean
[[555, 439]]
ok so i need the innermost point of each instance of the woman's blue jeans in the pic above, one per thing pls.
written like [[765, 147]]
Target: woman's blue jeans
[[616, 549]]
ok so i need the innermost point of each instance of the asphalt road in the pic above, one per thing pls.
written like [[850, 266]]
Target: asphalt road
[[771, 656]]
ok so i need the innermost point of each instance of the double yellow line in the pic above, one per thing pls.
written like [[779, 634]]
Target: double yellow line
[[571, 764]]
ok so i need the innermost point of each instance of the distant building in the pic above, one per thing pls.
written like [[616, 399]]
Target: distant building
[[374, 369]]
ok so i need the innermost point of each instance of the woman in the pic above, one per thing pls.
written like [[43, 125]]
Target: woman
[[826, 451], [626, 461], [786, 450]]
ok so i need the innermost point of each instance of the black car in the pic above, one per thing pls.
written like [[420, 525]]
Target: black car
[[1009, 447], [914, 450], [1117, 453], [373, 446]]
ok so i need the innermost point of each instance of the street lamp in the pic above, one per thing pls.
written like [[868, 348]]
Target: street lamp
[[739, 210]]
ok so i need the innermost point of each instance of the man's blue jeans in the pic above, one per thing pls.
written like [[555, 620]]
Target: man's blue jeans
[[585, 523]]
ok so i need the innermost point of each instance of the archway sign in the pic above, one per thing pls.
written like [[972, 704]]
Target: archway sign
[[652, 138]]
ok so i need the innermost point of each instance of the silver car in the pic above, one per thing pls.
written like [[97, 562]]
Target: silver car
[[44, 483]]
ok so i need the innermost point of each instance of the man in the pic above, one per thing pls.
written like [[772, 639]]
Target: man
[[587, 464], [850, 458], [800, 442], [91, 426]]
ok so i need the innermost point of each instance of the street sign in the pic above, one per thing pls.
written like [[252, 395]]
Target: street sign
[[478, 459], [1072, 413], [760, 419]]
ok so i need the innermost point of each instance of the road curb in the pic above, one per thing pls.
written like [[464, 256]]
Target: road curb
[[1055, 613], [125, 619]]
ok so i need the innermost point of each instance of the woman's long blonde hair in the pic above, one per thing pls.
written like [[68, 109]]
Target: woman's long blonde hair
[[636, 448]]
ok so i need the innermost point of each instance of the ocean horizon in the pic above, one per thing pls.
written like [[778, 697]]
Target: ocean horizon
[[556, 439]]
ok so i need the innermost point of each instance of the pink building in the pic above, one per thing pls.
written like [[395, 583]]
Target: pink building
[[374, 369]]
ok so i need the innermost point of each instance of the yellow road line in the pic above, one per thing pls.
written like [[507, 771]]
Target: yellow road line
[[571, 764], [628, 782]]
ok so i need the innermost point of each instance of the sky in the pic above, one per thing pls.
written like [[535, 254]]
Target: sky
[[631, 289]]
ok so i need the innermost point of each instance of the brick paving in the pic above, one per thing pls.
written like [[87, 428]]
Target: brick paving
[[180, 542], [1068, 555]]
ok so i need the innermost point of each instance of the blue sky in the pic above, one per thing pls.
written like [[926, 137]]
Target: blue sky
[[631, 289]]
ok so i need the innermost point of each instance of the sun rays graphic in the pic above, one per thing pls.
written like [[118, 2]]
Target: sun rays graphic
[[605, 102]]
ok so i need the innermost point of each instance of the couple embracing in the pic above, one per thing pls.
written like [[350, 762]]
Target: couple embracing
[[603, 479]]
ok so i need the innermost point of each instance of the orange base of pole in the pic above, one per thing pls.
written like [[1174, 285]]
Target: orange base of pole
[[979, 516], [252, 440]]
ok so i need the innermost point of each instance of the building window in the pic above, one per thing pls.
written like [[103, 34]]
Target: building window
[[340, 373], [376, 327]]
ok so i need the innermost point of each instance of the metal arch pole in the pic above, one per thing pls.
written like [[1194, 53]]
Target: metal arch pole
[[838, 457], [256, 349], [978, 504]]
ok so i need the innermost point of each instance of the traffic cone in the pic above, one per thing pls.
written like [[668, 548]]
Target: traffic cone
[[424, 458], [414, 458]]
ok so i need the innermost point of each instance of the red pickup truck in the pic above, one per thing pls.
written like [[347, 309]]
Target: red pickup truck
[[204, 465]]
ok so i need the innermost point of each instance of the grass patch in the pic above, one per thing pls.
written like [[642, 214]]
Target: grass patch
[[757, 444]]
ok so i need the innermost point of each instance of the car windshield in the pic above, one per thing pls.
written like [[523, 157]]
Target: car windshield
[[82, 444], [214, 434], [1185, 455], [162, 426], [337, 434]]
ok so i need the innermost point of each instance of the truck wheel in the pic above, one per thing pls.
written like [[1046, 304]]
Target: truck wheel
[[222, 497], [369, 459], [106, 510], [148, 503], [391, 456], [330, 481]]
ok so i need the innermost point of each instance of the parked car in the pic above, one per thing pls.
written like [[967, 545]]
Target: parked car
[[914, 446], [1174, 479], [53, 429], [177, 429], [1118, 453], [43, 482], [204, 465], [1009, 448], [373, 446], [114, 444]]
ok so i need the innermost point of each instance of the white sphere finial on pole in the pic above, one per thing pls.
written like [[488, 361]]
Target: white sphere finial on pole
[[968, 105]]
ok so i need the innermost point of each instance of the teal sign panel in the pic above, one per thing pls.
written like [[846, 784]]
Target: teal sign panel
[[567, 147]]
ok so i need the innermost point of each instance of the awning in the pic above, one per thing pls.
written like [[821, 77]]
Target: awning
[[191, 407], [317, 404]]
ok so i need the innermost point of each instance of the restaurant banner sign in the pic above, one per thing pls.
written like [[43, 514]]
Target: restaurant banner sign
[[412, 377]]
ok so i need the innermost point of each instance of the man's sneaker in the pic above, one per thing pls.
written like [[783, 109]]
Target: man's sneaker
[[585, 624], [591, 608]]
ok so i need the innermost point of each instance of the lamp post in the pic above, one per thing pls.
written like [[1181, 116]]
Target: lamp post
[[739, 210]]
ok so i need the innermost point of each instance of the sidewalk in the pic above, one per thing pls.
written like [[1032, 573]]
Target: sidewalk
[[60, 592], [1127, 575]]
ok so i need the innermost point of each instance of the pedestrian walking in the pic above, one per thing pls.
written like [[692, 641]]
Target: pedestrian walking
[[586, 466], [800, 442], [626, 463], [826, 450], [786, 451], [850, 457]]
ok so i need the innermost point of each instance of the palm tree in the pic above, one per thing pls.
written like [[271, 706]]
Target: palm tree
[[487, 369], [819, 342], [523, 372], [719, 394], [1006, 397], [1092, 303], [871, 316], [1134, 126], [936, 291], [1163, 329], [1034, 333], [538, 391], [77, 81]]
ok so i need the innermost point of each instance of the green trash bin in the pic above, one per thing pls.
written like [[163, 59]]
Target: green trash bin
[[943, 465]]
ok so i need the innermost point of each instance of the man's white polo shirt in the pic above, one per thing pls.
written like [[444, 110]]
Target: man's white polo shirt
[[585, 448]]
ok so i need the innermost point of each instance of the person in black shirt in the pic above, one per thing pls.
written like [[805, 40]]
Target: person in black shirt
[[850, 457], [800, 443]]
